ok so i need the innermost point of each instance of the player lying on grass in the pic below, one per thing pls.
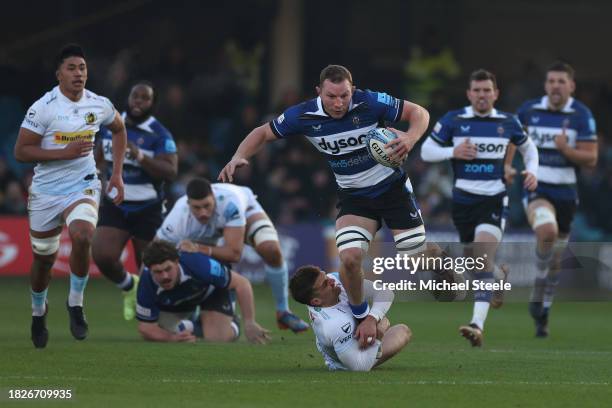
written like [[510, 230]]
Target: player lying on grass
[[174, 284], [337, 334]]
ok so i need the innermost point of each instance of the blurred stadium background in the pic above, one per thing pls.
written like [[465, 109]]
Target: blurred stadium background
[[221, 69], [221, 73]]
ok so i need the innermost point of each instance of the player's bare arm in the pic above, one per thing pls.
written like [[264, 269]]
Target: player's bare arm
[[153, 332], [117, 128], [585, 153], [249, 146], [509, 171], [162, 167], [244, 293], [419, 120], [229, 252], [28, 149]]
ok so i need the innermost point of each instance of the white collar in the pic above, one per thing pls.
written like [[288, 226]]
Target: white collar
[[544, 104], [469, 113]]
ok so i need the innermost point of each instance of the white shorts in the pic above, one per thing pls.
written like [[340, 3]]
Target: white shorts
[[45, 210]]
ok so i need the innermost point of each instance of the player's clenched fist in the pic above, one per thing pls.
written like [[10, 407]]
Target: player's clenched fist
[[76, 149]]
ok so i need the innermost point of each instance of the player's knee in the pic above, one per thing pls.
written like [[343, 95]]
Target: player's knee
[[271, 253], [406, 333], [44, 263], [353, 238], [45, 246], [547, 233], [82, 237], [351, 259]]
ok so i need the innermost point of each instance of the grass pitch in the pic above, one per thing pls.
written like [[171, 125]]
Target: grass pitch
[[114, 368]]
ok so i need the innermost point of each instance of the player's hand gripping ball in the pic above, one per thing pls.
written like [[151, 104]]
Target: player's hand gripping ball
[[376, 139]]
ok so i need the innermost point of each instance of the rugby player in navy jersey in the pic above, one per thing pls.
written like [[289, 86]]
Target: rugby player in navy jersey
[[174, 284], [564, 131], [475, 139], [150, 160], [336, 123]]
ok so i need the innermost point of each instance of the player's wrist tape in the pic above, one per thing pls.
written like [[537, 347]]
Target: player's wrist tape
[[360, 311]]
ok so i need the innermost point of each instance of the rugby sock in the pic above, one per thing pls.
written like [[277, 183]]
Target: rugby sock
[[127, 283], [537, 293], [549, 291], [481, 309], [482, 299], [543, 263], [360, 311], [38, 302], [498, 274], [277, 278], [77, 287]]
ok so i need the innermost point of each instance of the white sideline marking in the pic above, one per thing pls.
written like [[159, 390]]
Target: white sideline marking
[[326, 381]]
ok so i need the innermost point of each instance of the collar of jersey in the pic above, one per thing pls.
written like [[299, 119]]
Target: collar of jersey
[[544, 104], [146, 125], [64, 98], [469, 113], [321, 112]]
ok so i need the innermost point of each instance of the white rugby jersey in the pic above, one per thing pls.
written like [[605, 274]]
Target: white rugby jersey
[[335, 326], [230, 209], [60, 121]]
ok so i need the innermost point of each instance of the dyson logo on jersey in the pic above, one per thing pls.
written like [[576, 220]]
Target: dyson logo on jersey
[[334, 148], [478, 168], [490, 148], [542, 138]]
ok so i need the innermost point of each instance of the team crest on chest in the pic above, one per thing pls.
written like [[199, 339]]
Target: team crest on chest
[[356, 121], [500, 130], [90, 118]]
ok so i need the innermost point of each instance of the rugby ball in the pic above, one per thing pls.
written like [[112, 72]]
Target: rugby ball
[[376, 139]]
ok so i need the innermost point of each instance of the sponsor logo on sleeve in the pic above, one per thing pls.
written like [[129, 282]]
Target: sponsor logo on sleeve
[[231, 212], [437, 128], [31, 113], [143, 311], [281, 119], [346, 327], [592, 126], [170, 146]]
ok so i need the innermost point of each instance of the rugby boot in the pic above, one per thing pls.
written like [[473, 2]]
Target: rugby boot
[[78, 324], [472, 333], [40, 334], [287, 320]]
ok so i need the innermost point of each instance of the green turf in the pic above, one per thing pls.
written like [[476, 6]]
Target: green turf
[[114, 368]]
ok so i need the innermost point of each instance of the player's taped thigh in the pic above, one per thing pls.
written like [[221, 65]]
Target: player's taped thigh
[[353, 237], [45, 246], [411, 241], [261, 231], [543, 215], [84, 212], [489, 229]]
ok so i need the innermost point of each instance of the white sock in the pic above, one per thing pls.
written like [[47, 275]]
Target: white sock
[[481, 309], [77, 287]]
